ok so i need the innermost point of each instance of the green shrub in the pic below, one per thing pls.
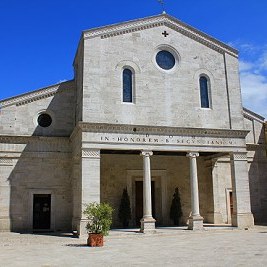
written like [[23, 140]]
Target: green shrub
[[176, 210], [125, 209], [99, 217]]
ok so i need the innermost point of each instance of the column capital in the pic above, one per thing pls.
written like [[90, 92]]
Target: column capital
[[238, 156], [90, 153], [146, 153], [192, 154]]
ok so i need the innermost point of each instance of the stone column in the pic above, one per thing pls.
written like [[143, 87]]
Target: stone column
[[242, 216], [195, 220], [89, 182], [147, 222]]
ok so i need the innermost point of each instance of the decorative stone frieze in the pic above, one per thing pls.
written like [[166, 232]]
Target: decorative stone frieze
[[157, 21], [239, 156], [6, 162], [90, 153], [160, 130]]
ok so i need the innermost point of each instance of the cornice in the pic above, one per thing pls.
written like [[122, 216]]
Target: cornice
[[254, 147], [157, 21], [9, 139], [32, 96], [252, 115], [160, 130]]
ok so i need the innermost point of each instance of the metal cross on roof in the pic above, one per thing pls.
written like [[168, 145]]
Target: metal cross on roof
[[162, 3]]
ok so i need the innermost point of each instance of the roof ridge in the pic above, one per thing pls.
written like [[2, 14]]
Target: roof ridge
[[32, 95], [158, 20]]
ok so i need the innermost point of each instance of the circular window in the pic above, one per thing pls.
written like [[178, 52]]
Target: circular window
[[165, 60], [44, 120]]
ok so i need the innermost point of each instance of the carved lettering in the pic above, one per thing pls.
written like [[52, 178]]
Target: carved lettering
[[168, 140]]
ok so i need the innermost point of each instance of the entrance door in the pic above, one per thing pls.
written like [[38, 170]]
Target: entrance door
[[231, 203], [139, 201], [41, 211]]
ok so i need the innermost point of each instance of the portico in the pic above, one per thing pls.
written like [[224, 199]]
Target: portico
[[150, 145]]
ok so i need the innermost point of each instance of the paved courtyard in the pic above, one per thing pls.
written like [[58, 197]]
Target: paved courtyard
[[168, 247]]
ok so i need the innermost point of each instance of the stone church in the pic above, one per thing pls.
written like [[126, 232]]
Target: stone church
[[154, 105]]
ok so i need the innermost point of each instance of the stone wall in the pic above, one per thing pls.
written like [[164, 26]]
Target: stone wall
[[19, 114], [34, 166], [160, 98], [257, 165], [116, 169]]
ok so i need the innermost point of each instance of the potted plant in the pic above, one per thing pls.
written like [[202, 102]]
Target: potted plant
[[176, 209], [99, 217], [125, 209]]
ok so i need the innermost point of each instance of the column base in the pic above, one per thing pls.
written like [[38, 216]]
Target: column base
[[148, 225], [5, 225], [195, 223], [79, 227], [243, 220]]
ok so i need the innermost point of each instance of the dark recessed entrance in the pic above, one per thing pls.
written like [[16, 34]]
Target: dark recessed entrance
[[41, 211], [139, 201]]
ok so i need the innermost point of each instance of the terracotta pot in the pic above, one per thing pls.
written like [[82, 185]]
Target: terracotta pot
[[95, 240]]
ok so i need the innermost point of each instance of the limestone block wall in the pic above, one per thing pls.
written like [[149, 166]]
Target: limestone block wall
[[19, 114], [115, 170], [35, 167], [223, 188], [160, 98], [254, 123], [257, 165], [78, 67]]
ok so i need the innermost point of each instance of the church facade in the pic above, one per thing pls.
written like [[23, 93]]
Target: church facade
[[154, 105]]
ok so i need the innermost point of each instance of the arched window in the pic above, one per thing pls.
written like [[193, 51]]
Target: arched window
[[127, 80], [204, 92]]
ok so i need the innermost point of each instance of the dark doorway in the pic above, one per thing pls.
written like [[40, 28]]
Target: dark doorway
[[139, 201], [231, 203], [41, 211]]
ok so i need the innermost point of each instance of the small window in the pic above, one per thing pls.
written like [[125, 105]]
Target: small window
[[44, 120], [204, 92], [127, 85], [165, 60]]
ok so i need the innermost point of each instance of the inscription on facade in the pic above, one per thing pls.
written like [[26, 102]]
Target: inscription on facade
[[172, 140]]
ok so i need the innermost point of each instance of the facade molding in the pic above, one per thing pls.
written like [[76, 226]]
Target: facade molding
[[160, 130], [252, 115], [90, 153], [255, 147], [239, 156], [26, 139], [157, 21], [32, 96], [6, 162]]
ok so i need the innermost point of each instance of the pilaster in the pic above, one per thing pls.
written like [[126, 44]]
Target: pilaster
[[6, 167], [89, 182], [242, 216], [216, 215]]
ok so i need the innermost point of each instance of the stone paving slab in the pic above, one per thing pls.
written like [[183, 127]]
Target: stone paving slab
[[168, 247]]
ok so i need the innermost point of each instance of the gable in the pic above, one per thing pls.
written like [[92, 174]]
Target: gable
[[32, 96], [157, 21], [19, 115]]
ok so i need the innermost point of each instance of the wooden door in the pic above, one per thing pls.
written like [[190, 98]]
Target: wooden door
[[41, 211]]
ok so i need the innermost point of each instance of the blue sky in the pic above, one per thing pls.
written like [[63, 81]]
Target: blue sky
[[39, 38]]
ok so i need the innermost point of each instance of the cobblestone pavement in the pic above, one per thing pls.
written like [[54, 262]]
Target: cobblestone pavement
[[168, 247]]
